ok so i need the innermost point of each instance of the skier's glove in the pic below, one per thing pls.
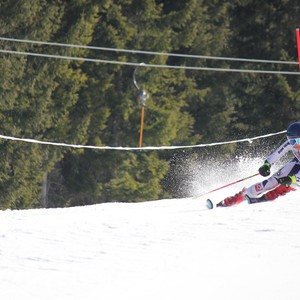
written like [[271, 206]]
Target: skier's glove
[[287, 181], [264, 170]]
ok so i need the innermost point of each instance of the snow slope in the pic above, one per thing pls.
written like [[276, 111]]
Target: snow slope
[[166, 249], [163, 250]]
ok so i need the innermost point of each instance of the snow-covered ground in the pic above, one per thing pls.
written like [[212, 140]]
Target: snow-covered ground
[[163, 250]]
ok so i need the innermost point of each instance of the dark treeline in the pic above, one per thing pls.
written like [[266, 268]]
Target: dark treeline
[[80, 102]]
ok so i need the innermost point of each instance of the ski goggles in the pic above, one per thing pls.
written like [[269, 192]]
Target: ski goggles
[[294, 141]]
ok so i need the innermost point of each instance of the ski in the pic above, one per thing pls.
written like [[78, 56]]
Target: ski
[[255, 200], [209, 204]]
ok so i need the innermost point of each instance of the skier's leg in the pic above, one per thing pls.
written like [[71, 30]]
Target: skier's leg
[[258, 189], [266, 190], [280, 190], [236, 199]]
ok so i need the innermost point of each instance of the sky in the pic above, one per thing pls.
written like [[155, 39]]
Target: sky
[[163, 249]]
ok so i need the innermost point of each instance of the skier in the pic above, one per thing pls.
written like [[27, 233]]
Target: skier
[[279, 183]]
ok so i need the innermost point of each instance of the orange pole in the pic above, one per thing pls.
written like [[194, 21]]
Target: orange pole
[[142, 127], [298, 45]]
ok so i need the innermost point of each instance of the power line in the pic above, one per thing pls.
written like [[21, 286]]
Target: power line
[[146, 65], [148, 52]]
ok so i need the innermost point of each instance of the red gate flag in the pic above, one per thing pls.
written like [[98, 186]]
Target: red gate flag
[[298, 44]]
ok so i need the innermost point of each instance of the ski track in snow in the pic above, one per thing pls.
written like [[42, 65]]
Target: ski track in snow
[[166, 249]]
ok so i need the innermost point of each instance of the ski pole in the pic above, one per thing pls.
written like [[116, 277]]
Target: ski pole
[[224, 186]]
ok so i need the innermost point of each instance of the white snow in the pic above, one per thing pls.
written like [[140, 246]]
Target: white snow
[[165, 249]]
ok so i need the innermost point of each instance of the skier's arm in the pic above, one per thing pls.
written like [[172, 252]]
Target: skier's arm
[[279, 152], [287, 180], [264, 170]]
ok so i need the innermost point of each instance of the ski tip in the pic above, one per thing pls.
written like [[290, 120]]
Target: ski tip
[[209, 204]]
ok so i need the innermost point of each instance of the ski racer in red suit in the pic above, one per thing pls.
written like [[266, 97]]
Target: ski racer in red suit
[[280, 182]]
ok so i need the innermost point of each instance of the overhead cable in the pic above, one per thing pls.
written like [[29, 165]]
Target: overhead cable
[[144, 64], [148, 52]]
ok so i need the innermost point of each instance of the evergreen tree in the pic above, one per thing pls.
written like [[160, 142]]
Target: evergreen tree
[[116, 111], [37, 94], [268, 33], [95, 103]]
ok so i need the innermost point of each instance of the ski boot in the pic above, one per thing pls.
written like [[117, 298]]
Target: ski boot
[[236, 199]]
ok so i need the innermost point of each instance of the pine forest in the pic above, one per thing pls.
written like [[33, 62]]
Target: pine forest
[[65, 78]]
